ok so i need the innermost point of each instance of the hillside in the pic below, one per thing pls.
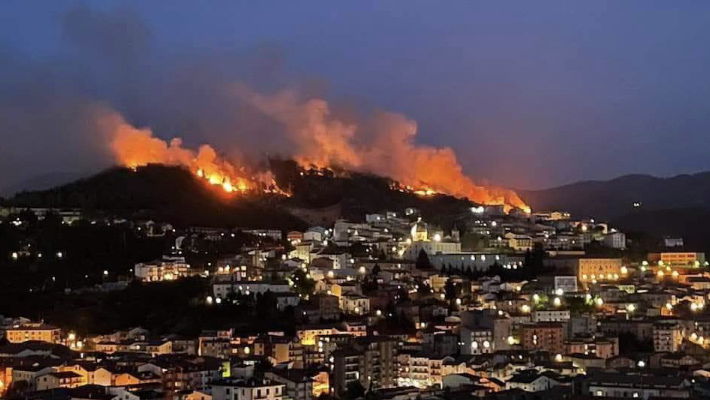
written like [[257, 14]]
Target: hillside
[[616, 197], [159, 192], [692, 224], [174, 194]]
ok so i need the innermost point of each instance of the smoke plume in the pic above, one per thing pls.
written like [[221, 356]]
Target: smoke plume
[[112, 97], [383, 144]]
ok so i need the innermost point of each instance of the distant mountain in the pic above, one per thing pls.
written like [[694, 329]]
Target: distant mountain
[[691, 224], [616, 197], [174, 194]]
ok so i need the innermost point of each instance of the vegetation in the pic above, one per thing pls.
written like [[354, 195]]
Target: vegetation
[[162, 307], [302, 283], [173, 194], [165, 194]]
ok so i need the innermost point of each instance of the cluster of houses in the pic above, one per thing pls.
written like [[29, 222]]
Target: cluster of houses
[[395, 308]]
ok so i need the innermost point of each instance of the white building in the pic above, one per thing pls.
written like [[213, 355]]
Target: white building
[[673, 242], [615, 240], [550, 315], [356, 304], [246, 390], [568, 284], [222, 290], [431, 247], [476, 341], [530, 382], [166, 269], [667, 336], [474, 261], [421, 240], [519, 242]]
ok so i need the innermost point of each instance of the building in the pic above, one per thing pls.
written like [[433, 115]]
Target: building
[[670, 242], [328, 306], [598, 269], [476, 340], [551, 315], [519, 242], [274, 234], [422, 370], [237, 389], [473, 261], [347, 364], [615, 240], [166, 269], [667, 336], [568, 284], [33, 331], [355, 304], [548, 336], [678, 259], [623, 385], [484, 331], [55, 380], [420, 240], [371, 360], [598, 346], [281, 349], [431, 247], [532, 381], [222, 290], [298, 384]]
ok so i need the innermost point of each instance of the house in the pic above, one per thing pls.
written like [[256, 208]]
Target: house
[[30, 373], [532, 381], [667, 336], [285, 300], [55, 380], [280, 349], [641, 386], [180, 372], [519, 242], [298, 384], [224, 289], [355, 304], [252, 389], [33, 331], [194, 394], [547, 336], [600, 346], [165, 269]]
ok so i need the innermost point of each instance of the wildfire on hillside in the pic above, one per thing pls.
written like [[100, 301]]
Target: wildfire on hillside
[[421, 170], [133, 148], [422, 191]]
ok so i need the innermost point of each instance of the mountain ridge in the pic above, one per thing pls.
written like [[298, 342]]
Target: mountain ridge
[[176, 195], [616, 197]]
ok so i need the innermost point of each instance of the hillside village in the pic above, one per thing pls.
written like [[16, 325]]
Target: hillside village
[[517, 306]]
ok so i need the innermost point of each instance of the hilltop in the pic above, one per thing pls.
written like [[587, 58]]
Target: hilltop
[[174, 194]]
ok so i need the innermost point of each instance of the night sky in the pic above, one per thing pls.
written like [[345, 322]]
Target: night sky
[[530, 94]]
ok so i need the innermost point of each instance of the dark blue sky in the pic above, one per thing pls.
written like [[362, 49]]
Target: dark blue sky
[[530, 94]]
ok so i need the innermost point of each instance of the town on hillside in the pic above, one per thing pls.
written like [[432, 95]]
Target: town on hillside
[[489, 305]]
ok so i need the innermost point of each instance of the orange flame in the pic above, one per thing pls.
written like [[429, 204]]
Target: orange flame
[[318, 140], [135, 147], [383, 145]]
